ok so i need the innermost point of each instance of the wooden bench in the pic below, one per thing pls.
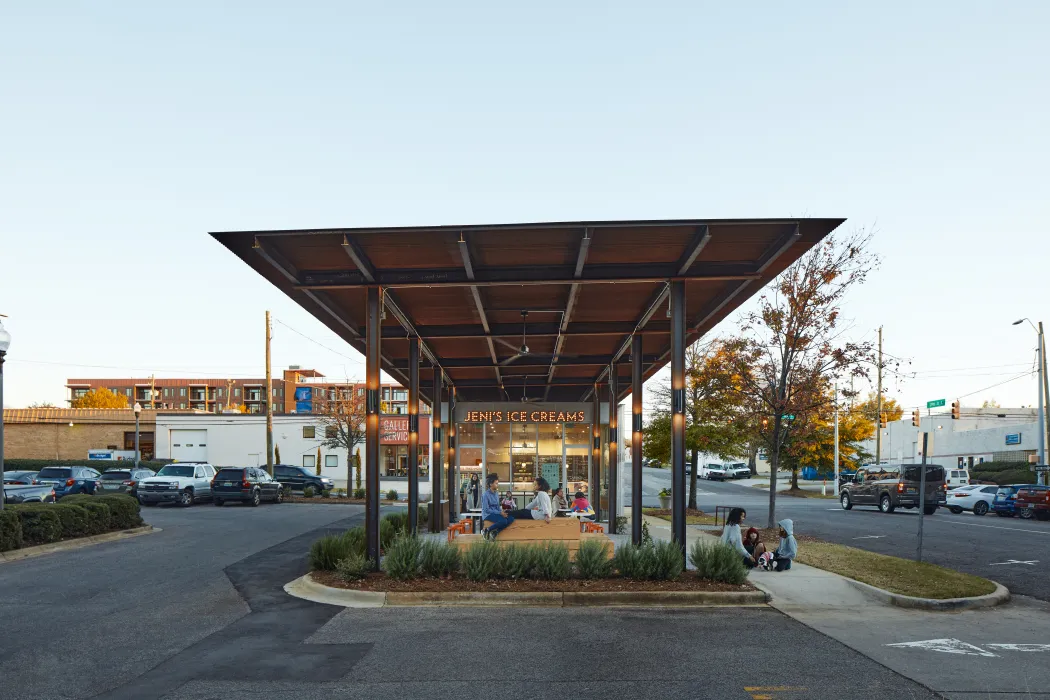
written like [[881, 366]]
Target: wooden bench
[[565, 531]]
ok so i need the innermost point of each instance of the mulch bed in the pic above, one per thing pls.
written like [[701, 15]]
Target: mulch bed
[[461, 584]]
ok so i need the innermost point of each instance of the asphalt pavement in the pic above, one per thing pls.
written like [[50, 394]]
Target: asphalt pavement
[[198, 611]]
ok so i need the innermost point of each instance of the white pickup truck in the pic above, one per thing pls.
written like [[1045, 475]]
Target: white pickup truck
[[184, 483], [714, 472]]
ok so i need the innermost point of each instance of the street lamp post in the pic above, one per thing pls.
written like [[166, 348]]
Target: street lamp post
[[1041, 368], [5, 343], [138, 412]]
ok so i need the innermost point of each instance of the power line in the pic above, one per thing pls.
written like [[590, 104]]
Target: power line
[[335, 352], [1013, 379]]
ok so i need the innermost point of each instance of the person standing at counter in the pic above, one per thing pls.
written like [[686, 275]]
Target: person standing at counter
[[539, 508]]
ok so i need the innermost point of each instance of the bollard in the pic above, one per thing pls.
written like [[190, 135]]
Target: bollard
[[824, 488]]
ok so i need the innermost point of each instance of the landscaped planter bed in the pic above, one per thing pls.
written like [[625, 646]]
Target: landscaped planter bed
[[460, 584]]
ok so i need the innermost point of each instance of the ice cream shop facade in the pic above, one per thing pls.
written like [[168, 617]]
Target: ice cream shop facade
[[527, 336]]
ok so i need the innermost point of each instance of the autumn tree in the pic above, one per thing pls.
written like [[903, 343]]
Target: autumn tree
[[891, 410], [100, 398], [342, 415], [41, 404], [812, 441], [793, 342], [710, 409]]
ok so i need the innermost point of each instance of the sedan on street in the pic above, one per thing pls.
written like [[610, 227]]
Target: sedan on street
[[70, 480], [976, 498]]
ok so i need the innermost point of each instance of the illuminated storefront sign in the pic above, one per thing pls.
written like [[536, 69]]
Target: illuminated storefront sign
[[527, 416]]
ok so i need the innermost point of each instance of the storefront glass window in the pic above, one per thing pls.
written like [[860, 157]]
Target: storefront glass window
[[577, 433], [497, 451], [471, 434], [523, 455], [578, 461]]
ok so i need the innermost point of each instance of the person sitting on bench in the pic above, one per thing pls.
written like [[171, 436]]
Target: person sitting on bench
[[539, 508], [558, 500], [580, 504], [491, 510]]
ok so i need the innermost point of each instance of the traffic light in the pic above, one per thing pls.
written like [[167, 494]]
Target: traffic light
[[915, 418], [765, 422], [956, 410]]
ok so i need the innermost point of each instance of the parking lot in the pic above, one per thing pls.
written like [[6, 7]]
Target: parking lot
[[198, 611]]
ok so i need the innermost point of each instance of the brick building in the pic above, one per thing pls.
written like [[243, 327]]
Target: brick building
[[69, 433], [296, 391]]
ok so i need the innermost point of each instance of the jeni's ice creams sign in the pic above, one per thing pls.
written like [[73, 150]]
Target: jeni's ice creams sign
[[524, 417]]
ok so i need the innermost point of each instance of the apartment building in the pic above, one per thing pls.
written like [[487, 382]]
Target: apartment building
[[296, 391]]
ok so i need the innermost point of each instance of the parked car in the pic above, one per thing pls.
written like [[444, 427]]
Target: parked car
[[20, 478], [1005, 504], [1033, 500], [251, 485], [28, 494], [976, 498], [892, 487], [298, 478], [125, 480], [70, 480], [714, 472], [738, 470], [184, 483], [957, 477]]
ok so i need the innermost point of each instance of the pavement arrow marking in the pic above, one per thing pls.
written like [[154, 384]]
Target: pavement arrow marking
[[1030, 562], [945, 646]]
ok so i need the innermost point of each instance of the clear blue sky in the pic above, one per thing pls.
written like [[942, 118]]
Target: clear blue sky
[[129, 131]]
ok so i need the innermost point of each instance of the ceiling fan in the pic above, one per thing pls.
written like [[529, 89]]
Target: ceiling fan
[[523, 351]]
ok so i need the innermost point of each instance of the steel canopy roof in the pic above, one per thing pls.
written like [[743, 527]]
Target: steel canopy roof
[[588, 288]]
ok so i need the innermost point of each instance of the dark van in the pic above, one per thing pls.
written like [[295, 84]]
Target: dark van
[[892, 487]]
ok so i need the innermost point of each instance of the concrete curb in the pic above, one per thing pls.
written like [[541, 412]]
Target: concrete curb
[[79, 543], [308, 589], [999, 596]]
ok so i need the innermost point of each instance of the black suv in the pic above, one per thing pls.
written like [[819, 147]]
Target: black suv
[[251, 485], [298, 478]]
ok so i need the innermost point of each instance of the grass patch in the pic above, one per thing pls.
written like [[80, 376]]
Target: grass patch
[[903, 576], [692, 517]]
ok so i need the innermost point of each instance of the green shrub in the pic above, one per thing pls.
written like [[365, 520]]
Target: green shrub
[[359, 494], [39, 525], [553, 562], [636, 562], [353, 567], [439, 559], [12, 465], [99, 516], [986, 467], [717, 561], [422, 517], [519, 560], [326, 493], [482, 561], [329, 550], [73, 517], [592, 559], [402, 559], [10, 530], [400, 522], [391, 495], [668, 561], [308, 492], [1021, 475], [124, 511]]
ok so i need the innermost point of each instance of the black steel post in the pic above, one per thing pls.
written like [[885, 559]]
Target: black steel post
[[614, 449], [453, 492], [636, 439], [594, 495], [678, 414], [413, 433], [137, 453], [372, 326], [434, 512], [2, 354]]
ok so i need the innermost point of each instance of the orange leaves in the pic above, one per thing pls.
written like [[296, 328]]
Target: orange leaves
[[100, 398]]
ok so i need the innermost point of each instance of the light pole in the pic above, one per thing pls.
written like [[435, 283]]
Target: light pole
[[138, 412], [5, 343], [1041, 367]]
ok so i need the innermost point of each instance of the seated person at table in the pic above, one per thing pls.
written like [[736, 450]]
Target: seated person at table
[[558, 500], [580, 504], [507, 502], [491, 510], [539, 508]]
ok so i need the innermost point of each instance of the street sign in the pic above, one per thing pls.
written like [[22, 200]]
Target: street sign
[[935, 404], [789, 416], [1041, 468]]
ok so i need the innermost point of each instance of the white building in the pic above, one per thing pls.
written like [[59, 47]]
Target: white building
[[980, 435], [234, 439]]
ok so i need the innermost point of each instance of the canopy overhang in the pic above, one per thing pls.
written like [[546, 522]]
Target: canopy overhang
[[588, 287]]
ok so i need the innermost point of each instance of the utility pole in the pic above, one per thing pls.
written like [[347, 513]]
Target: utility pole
[[1046, 392], [269, 402], [878, 405], [836, 492], [153, 392]]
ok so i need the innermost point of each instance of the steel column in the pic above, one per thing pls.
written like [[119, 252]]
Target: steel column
[[2, 354], [453, 502], [594, 488], [614, 449], [372, 331], [434, 512], [678, 414], [636, 440], [413, 433]]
